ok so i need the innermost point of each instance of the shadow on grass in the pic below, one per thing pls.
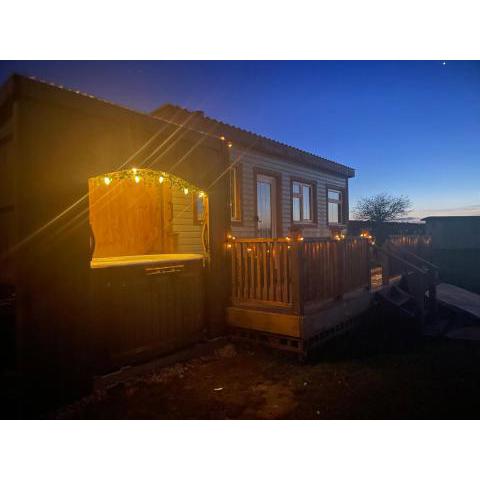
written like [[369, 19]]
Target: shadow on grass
[[379, 331]]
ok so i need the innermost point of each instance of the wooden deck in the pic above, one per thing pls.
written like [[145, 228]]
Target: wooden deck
[[299, 291], [295, 294]]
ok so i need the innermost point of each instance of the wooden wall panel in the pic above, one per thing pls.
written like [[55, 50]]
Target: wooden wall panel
[[129, 218], [187, 232]]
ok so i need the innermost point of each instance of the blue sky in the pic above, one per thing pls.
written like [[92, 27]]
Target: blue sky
[[409, 128]]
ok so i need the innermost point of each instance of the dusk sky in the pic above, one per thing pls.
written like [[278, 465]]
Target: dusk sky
[[410, 128]]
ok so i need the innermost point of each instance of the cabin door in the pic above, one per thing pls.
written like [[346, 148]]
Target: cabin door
[[266, 206]]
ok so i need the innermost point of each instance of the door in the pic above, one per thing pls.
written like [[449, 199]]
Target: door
[[266, 207]]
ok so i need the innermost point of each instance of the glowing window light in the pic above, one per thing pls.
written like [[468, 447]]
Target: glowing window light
[[107, 180]]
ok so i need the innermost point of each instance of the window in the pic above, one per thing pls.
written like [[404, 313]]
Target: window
[[302, 202], [198, 209], [235, 199], [335, 206]]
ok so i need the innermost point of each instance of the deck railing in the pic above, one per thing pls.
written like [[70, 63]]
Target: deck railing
[[409, 256], [419, 245], [293, 274]]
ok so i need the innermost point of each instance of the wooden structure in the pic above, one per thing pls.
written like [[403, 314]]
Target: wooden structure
[[296, 293], [146, 292], [276, 190], [117, 231], [408, 275], [72, 321]]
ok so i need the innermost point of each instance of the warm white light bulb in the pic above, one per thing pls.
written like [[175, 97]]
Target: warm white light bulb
[[107, 180], [201, 194], [161, 179], [137, 178], [185, 191]]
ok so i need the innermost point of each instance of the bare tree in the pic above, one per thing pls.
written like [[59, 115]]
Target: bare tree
[[382, 208], [379, 209]]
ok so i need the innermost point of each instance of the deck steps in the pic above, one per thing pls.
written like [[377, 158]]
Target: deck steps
[[395, 296]]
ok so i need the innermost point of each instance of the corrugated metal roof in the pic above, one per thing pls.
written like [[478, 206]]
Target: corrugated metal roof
[[210, 126], [254, 140]]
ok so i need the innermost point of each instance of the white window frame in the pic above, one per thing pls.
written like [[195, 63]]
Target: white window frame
[[338, 202], [300, 196]]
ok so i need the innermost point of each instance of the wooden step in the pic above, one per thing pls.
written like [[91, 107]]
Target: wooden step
[[395, 296]]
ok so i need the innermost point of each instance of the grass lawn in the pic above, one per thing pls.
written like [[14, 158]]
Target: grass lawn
[[383, 370]]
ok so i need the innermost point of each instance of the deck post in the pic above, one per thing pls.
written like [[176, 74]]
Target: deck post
[[296, 252], [369, 265], [342, 267], [385, 261]]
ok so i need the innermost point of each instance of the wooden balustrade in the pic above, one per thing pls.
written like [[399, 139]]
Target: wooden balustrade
[[291, 274], [420, 245], [261, 271]]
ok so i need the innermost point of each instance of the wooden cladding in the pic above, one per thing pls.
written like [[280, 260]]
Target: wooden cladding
[[294, 274], [141, 312], [130, 219]]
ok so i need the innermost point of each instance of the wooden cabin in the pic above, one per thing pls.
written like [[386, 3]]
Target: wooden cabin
[[126, 235], [296, 278]]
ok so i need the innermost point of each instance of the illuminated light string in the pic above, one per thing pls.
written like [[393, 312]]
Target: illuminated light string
[[149, 176], [107, 180]]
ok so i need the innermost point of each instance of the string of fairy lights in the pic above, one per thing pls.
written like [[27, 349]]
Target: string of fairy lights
[[139, 175]]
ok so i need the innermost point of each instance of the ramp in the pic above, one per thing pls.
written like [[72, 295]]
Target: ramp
[[459, 299]]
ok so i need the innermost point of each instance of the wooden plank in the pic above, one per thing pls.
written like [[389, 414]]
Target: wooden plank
[[251, 276], [265, 252], [278, 323], [271, 294], [459, 299], [258, 266]]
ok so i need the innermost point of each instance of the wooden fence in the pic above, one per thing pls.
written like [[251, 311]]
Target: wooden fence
[[291, 274]]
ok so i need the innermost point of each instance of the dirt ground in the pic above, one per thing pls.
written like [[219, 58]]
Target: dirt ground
[[383, 370]]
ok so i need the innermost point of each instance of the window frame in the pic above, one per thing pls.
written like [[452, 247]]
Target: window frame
[[195, 199], [313, 201], [237, 198], [341, 203]]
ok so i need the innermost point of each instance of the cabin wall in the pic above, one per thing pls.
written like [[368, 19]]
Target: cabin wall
[[7, 201], [250, 160], [188, 232]]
